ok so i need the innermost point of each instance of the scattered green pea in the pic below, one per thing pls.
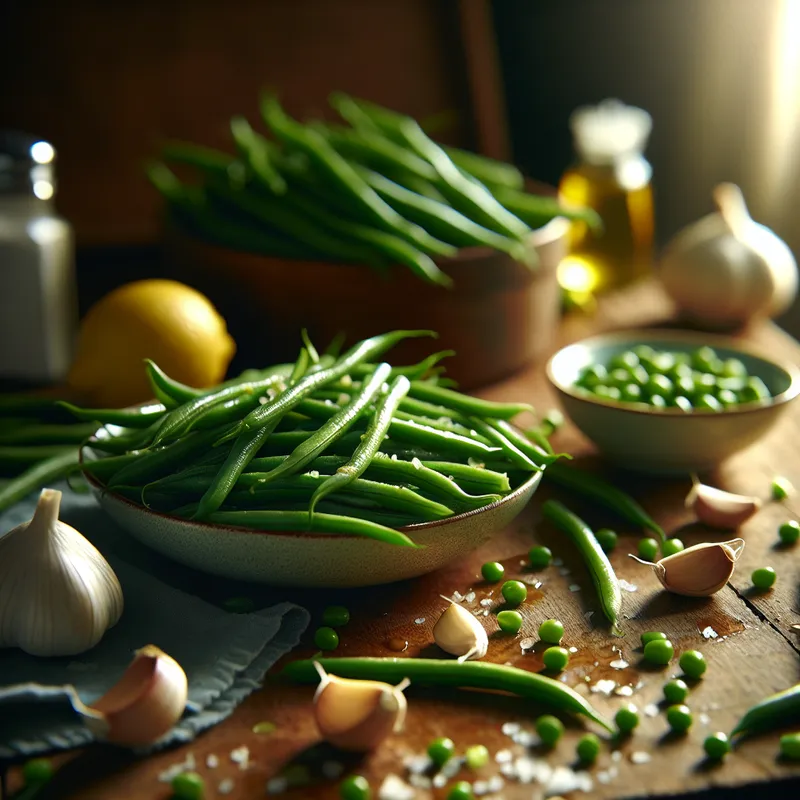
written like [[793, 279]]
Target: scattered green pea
[[764, 578], [551, 631], [790, 746], [441, 750], [588, 748], [607, 539], [693, 663], [789, 531], [461, 791], [550, 729], [514, 592], [37, 771], [652, 636], [659, 651], [492, 571], [781, 488], [676, 691], [540, 557], [717, 746], [672, 546], [555, 659], [326, 638], [335, 616], [509, 621], [627, 718], [188, 786], [679, 718], [476, 756], [648, 549], [355, 787]]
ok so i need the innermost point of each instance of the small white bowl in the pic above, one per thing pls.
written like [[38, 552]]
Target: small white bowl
[[669, 441], [289, 558]]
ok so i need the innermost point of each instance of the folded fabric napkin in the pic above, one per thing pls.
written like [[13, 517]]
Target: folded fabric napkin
[[224, 655]]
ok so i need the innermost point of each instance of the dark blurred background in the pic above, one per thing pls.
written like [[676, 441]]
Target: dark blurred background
[[107, 82]]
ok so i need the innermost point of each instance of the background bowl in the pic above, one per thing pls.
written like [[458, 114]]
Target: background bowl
[[669, 441], [312, 559]]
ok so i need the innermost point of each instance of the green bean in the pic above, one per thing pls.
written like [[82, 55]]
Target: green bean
[[439, 440], [471, 478], [772, 712], [44, 433], [25, 405], [367, 449], [604, 493], [413, 372], [540, 456], [322, 523], [128, 439], [514, 455], [102, 469], [472, 406], [15, 457], [138, 417], [489, 172], [447, 425], [537, 210], [464, 675], [602, 573], [57, 466], [256, 157], [206, 159]]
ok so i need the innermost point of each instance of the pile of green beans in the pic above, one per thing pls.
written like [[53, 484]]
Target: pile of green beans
[[332, 444], [376, 191]]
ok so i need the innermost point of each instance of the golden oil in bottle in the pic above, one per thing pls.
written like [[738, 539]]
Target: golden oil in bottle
[[611, 176]]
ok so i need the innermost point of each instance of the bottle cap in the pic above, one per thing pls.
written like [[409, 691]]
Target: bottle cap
[[604, 132], [26, 165]]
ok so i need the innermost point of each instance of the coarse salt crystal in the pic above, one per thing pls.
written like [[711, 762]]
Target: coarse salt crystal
[[187, 765], [616, 755], [651, 710], [527, 644], [619, 663], [573, 649], [704, 719], [524, 738], [709, 633], [470, 598], [628, 587], [604, 687], [420, 781], [487, 603], [225, 786], [624, 691], [395, 788], [640, 757], [565, 780], [241, 756], [503, 756], [212, 761], [419, 620], [574, 587], [496, 783], [457, 596], [510, 728], [439, 781]]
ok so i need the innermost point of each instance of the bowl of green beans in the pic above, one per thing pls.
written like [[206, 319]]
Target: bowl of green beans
[[338, 470], [668, 401]]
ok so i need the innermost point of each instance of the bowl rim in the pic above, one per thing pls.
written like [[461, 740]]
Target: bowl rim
[[531, 483], [639, 336]]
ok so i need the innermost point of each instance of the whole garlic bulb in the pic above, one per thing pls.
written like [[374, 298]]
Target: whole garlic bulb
[[58, 595], [726, 268]]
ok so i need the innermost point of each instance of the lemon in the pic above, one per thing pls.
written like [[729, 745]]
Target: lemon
[[174, 325]]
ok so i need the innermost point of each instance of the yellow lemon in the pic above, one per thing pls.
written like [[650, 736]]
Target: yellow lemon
[[174, 325]]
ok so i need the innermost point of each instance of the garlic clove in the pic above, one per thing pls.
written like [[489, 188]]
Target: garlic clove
[[459, 633], [719, 509], [358, 715], [143, 705], [700, 570]]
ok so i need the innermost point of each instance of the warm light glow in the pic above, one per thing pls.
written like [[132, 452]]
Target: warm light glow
[[576, 274], [43, 189], [42, 152]]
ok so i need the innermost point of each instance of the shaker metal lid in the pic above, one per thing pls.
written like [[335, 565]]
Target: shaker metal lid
[[26, 164]]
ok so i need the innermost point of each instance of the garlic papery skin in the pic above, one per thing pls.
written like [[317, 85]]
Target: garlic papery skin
[[358, 715], [459, 633], [58, 595], [698, 571], [726, 269], [143, 705], [719, 509]]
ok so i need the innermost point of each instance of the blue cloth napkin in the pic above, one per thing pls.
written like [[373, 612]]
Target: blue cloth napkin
[[224, 655]]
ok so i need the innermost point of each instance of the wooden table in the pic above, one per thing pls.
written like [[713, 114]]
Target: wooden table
[[746, 638]]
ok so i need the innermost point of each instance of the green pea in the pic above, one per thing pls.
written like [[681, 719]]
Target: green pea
[[704, 383], [790, 746], [492, 571], [663, 362], [734, 385], [789, 531], [550, 729], [671, 546], [336, 616], [632, 393], [514, 592], [717, 746], [660, 385], [551, 631], [555, 659], [627, 718], [705, 359], [679, 718], [764, 578], [593, 376], [755, 391], [675, 691], [619, 377], [607, 392], [476, 756], [693, 663], [652, 636], [686, 386], [708, 402], [326, 638], [355, 787], [627, 361], [188, 786], [607, 539], [781, 488], [727, 398], [509, 621], [683, 403], [659, 652], [643, 352], [461, 791], [540, 557], [680, 369], [440, 750], [658, 402], [639, 376], [733, 368], [37, 771], [648, 549], [552, 420], [588, 748]]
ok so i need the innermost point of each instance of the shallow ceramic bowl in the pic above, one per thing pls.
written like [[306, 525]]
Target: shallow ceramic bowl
[[669, 441], [283, 558]]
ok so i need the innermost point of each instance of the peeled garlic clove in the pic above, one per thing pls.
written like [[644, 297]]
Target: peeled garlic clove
[[698, 571], [459, 633], [143, 705], [719, 509], [358, 715]]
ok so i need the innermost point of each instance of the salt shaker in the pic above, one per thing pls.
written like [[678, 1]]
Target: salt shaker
[[38, 305]]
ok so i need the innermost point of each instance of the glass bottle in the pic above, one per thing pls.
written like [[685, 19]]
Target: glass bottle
[[612, 176], [38, 298]]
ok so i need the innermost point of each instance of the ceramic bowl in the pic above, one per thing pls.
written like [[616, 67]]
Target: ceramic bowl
[[669, 441], [284, 558]]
